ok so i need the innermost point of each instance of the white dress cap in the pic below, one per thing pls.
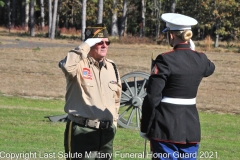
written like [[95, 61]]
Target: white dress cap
[[175, 21]]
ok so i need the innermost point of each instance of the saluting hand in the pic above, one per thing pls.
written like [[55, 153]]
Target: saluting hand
[[92, 41]]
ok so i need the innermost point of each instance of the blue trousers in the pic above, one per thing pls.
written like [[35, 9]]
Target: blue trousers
[[173, 151]]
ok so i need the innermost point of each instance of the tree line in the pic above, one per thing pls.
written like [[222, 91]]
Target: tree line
[[217, 18]]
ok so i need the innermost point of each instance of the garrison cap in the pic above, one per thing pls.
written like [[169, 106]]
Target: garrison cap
[[175, 21], [96, 31]]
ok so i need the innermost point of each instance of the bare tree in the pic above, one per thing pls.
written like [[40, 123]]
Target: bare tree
[[26, 15], [9, 14], [125, 26], [32, 32], [100, 11], [114, 19], [84, 11], [173, 6], [13, 13], [142, 25], [49, 17], [23, 13], [54, 19], [42, 13], [58, 15], [157, 8], [124, 18], [217, 24]]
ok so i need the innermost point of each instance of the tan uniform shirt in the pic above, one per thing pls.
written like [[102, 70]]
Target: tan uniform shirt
[[91, 93]]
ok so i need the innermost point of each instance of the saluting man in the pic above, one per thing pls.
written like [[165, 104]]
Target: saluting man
[[93, 94], [170, 118]]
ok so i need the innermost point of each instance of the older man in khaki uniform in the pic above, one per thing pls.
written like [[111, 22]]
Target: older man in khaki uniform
[[92, 97]]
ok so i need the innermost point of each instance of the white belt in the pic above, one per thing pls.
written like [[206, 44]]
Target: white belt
[[180, 101]]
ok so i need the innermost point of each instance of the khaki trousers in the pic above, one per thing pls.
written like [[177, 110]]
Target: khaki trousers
[[83, 143]]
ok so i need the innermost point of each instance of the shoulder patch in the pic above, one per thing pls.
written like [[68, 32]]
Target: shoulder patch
[[87, 73], [154, 70]]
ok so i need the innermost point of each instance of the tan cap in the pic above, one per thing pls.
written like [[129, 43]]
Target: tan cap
[[96, 31]]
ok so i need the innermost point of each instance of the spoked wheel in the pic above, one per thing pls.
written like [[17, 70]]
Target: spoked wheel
[[133, 91]]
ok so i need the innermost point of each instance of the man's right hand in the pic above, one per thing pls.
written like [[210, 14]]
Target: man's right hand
[[92, 41]]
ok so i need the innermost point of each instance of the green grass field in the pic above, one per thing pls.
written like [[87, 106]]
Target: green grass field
[[31, 70], [24, 131]]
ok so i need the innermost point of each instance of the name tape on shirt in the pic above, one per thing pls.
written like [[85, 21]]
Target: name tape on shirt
[[87, 73]]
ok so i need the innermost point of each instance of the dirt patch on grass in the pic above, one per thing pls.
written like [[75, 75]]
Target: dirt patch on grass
[[31, 71]]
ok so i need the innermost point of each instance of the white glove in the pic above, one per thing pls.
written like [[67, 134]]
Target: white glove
[[144, 135], [92, 41], [192, 45]]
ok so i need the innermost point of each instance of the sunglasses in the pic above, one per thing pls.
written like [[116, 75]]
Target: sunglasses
[[102, 42]]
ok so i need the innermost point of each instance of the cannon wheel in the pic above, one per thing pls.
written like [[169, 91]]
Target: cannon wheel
[[133, 91]]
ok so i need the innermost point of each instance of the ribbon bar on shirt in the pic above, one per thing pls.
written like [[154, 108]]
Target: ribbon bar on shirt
[[180, 101]]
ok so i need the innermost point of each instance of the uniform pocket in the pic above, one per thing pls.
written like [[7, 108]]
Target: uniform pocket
[[87, 87], [113, 86]]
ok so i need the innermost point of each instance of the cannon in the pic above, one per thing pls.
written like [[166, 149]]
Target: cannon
[[130, 111], [133, 92]]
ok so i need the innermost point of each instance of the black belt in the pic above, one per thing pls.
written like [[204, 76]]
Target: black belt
[[93, 123]]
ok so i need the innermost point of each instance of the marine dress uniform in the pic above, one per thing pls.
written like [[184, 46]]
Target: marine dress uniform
[[169, 115], [92, 103]]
